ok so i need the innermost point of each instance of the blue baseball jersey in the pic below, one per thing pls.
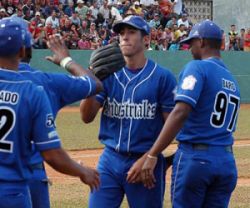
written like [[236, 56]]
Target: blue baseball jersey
[[25, 114], [133, 106], [215, 106], [59, 88]]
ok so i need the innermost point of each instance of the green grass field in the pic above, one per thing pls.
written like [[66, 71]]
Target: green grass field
[[76, 135]]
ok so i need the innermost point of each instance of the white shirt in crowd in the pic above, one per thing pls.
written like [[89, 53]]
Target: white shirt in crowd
[[178, 7], [147, 2]]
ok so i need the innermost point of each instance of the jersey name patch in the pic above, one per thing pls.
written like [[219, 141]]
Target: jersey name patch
[[229, 85], [128, 110], [8, 97], [188, 82]]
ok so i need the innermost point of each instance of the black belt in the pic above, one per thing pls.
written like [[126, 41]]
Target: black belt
[[37, 166], [127, 154], [227, 148]]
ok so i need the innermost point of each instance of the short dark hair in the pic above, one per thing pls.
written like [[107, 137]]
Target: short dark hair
[[213, 43]]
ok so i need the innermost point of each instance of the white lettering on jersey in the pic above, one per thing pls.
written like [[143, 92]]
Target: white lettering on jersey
[[8, 97], [188, 82], [52, 134], [143, 110], [228, 85]]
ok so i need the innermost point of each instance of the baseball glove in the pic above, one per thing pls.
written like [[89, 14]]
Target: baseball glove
[[106, 60]]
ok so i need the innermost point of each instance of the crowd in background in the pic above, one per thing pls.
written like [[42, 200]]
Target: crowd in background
[[87, 24]]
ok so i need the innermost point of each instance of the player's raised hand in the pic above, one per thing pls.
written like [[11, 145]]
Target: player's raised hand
[[90, 177], [57, 46], [147, 172]]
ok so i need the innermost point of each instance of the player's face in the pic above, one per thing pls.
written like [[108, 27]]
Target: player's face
[[195, 47], [131, 41]]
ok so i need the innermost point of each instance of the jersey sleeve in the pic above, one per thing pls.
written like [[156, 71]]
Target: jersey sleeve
[[166, 95], [72, 88], [190, 84], [101, 96], [43, 129]]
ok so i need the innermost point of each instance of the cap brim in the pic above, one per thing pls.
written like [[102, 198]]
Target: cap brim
[[186, 40], [118, 26]]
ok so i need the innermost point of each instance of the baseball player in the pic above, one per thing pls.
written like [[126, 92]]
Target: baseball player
[[25, 114], [135, 102], [62, 90], [207, 105]]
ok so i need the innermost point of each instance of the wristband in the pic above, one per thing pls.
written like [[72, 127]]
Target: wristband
[[64, 62], [151, 157]]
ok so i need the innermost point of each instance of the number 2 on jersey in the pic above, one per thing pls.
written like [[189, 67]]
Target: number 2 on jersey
[[7, 122], [222, 102]]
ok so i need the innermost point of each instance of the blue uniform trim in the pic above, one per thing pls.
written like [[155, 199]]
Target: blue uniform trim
[[186, 98]]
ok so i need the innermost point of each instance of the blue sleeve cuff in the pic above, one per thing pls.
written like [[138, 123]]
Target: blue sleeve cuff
[[185, 99], [92, 86]]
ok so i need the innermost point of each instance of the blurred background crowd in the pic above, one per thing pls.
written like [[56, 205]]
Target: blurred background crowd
[[87, 25]]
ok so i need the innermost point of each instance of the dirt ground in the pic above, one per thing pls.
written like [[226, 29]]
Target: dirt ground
[[90, 157]]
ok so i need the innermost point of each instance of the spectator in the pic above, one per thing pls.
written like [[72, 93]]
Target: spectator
[[155, 22], [3, 13], [171, 22], [233, 38], [48, 30], [137, 8], [223, 41], [247, 41], [120, 8], [10, 8], [181, 31], [75, 19], [37, 19], [104, 10], [94, 9], [66, 28], [29, 7], [81, 9], [83, 29], [53, 19], [93, 34], [167, 35], [19, 13], [69, 9], [177, 7], [27, 16], [39, 41], [84, 43], [241, 39], [163, 46], [49, 8], [114, 13], [183, 20], [146, 3]]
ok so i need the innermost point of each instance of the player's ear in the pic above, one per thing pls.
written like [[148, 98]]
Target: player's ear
[[202, 42], [21, 53]]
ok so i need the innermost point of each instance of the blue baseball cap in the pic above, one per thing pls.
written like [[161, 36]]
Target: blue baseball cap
[[133, 21], [205, 29], [27, 35], [11, 37]]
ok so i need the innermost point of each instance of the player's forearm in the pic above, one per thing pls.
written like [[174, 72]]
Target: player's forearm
[[170, 129], [60, 161], [76, 70], [89, 109]]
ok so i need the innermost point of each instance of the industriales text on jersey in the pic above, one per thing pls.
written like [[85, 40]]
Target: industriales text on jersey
[[128, 110]]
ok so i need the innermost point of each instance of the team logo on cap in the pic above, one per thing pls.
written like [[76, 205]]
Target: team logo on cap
[[188, 82]]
